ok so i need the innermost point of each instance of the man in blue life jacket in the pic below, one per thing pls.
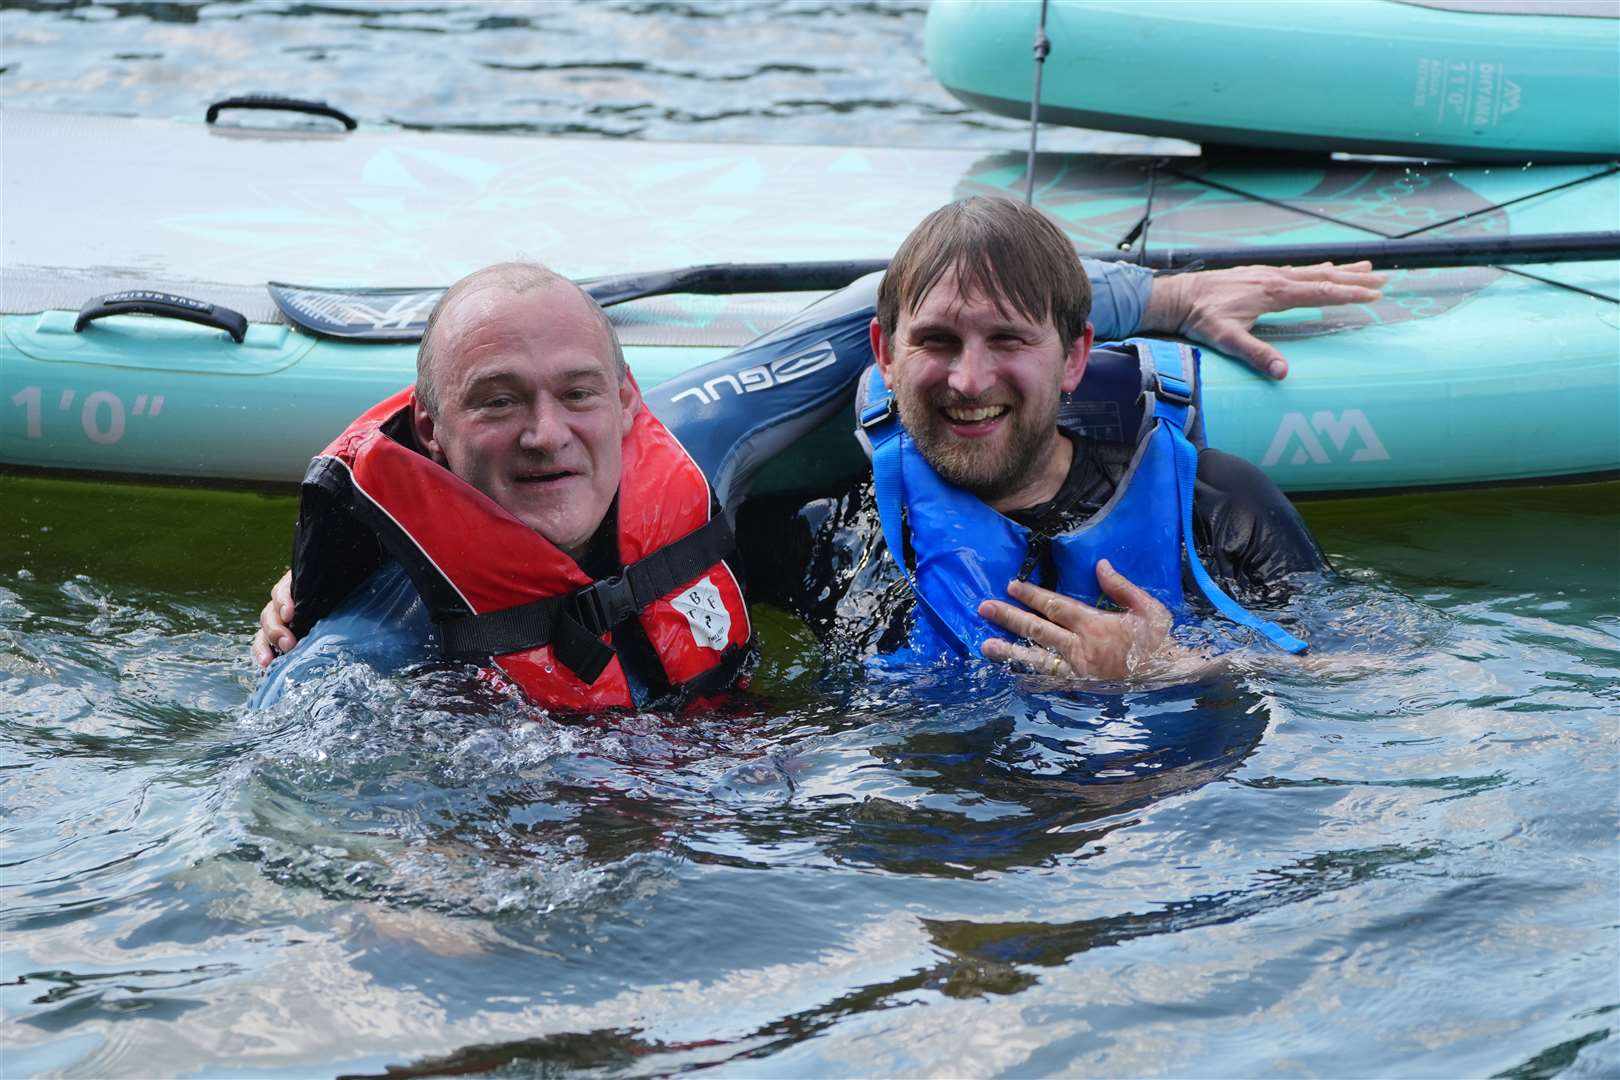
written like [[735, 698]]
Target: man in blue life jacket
[[981, 329], [981, 326]]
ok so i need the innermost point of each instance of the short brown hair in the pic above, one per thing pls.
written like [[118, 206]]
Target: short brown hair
[[1008, 252], [517, 277]]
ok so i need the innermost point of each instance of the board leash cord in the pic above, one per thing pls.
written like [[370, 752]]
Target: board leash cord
[[1139, 231], [1043, 47], [1230, 189]]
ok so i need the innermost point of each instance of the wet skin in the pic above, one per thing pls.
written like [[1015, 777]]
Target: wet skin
[[532, 412], [978, 388]]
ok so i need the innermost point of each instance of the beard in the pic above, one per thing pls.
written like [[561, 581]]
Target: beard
[[987, 467]]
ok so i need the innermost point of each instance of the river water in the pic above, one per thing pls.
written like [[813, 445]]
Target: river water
[[1400, 859]]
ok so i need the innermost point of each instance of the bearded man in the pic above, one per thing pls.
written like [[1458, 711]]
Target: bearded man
[[980, 333]]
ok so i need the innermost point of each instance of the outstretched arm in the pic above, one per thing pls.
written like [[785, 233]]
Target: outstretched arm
[[1219, 307]]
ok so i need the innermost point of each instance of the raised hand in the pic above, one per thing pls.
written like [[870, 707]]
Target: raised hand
[[1219, 307]]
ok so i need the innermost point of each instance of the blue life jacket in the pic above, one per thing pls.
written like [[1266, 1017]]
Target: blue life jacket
[[957, 552]]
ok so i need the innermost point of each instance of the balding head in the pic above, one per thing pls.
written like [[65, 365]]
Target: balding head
[[522, 393], [516, 278]]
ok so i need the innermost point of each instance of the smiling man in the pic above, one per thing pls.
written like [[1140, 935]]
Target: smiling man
[[542, 514], [522, 392], [981, 496]]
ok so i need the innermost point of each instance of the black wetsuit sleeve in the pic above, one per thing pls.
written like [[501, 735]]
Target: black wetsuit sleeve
[[776, 541], [826, 562], [1249, 534]]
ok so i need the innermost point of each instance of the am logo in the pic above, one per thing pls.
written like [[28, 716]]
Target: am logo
[[1298, 441]]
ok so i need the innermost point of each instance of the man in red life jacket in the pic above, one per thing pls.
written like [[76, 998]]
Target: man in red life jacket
[[544, 515]]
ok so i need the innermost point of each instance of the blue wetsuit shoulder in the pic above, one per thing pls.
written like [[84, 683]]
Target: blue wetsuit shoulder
[[384, 623]]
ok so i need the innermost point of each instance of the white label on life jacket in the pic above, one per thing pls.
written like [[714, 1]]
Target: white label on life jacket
[[706, 613]]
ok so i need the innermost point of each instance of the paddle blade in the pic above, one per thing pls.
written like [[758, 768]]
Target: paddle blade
[[375, 315]]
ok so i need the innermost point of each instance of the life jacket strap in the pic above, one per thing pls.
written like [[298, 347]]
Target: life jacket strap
[[573, 623], [1174, 408]]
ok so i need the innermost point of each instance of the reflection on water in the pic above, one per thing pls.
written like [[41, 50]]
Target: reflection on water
[[1288, 868]]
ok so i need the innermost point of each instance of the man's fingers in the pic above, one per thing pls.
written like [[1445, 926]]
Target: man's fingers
[[1234, 339], [270, 619], [1040, 661], [262, 653], [1054, 607], [281, 595], [1324, 285], [1025, 624], [1356, 273], [273, 627], [1129, 596]]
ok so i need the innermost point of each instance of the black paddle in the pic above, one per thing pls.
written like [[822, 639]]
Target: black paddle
[[396, 315]]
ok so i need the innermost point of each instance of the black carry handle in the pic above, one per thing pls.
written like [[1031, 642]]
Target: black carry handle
[[281, 104], [166, 305]]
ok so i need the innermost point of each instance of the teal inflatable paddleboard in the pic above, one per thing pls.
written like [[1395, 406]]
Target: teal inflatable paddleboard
[[1465, 79], [1478, 375]]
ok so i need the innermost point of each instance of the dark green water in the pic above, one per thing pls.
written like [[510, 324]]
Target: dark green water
[[1399, 859]]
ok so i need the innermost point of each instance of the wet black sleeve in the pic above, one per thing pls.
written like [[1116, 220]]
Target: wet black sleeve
[[333, 551], [826, 562], [776, 540], [1250, 536]]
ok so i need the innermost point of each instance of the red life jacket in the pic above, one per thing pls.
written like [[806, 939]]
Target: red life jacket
[[675, 614]]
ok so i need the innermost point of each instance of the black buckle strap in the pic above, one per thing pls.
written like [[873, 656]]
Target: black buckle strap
[[513, 629], [1172, 389], [605, 603], [575, 622]]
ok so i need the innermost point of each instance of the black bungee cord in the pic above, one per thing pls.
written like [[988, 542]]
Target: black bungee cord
[[1042, 48]]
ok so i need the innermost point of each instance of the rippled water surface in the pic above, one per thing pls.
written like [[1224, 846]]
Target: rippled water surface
[[1397, 859], [794, 71]]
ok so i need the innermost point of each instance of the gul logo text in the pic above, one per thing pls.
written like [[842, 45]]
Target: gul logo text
[[1305, 439], [750, 380]]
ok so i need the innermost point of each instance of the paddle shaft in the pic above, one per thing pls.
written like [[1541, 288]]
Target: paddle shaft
[[1392, 254], [724, 278]]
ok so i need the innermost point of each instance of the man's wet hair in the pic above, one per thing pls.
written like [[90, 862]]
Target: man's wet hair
[[514, 277], [1010, 253]]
